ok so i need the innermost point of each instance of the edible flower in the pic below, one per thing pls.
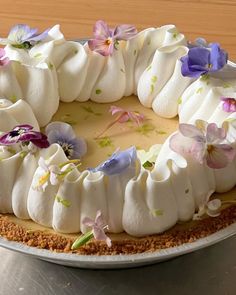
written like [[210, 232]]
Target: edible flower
[[53, 174], [24, 134], [199, 42], [211, 208], [98, 231], [205, 143], [22, 36], [123, 116], [50, 173], [3, 60], [148, 158], [118, 162], [63, 134], [107, 39], [229, 104], [200, 60]]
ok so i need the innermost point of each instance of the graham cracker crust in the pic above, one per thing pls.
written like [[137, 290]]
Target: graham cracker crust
[[121, 244]]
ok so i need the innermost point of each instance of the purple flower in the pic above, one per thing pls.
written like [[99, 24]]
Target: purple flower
[[22, 36], [98, 231], [98, 226], [229, 104], [3, 60], [201, 60], [24, 134], [63, 134], [199, 42], [106, 39], [205, 142], [118, 162]]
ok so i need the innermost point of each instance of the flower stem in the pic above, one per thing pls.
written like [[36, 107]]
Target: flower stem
[[82, 240], [109, 126]]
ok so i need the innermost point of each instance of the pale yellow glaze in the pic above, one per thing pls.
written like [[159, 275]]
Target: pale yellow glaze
[[89, 125]]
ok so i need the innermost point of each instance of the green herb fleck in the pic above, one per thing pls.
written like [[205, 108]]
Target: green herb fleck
[[135, 52], [98, 91], [50, 66], [76, 51], [161, 132], [23, 154], [227, 85], [67, 119], [66, 203], [89, 110], [157, 212], [122, 70], [104, 142], [205, 78], [175, 35], [148, 41], [179, 100], [154, 79], [11, 150], [187, 191], [13, 98], [199, 90], [152, 88], [145, 129], [37, 55], [148, 68], [148, 164]]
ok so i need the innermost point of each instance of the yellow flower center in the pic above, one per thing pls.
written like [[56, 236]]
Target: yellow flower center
[[43, 179], [108, 41], [210, 148], [209, 66]]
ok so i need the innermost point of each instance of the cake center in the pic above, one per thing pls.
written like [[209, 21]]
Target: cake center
[[89, 119]]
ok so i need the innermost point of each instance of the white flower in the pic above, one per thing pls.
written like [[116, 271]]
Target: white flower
[[149, 156], [211, 208], [50, 175]]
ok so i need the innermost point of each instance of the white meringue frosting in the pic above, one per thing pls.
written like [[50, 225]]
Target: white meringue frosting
[[138, 201]]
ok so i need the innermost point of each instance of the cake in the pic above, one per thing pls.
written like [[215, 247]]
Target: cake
[[90, 140]]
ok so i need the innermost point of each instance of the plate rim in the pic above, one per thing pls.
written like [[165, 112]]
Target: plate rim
[[118, 260]]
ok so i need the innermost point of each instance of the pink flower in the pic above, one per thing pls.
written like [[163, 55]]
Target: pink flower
[[124, 116], [3, 60], [229, 104], [106, 39], [205, 142], [98, 226]]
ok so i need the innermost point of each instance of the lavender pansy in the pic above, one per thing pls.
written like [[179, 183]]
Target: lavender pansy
[[63, 134], [206, 143], [24, 134], [200, 60], [3, 59], [107, 39], [118, 162], [229, 104], [98, 231], [22, 36]]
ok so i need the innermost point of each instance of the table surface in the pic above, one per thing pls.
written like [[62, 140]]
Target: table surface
[[211, 270]]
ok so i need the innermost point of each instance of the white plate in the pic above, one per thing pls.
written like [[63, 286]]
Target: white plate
[[118, 261]]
